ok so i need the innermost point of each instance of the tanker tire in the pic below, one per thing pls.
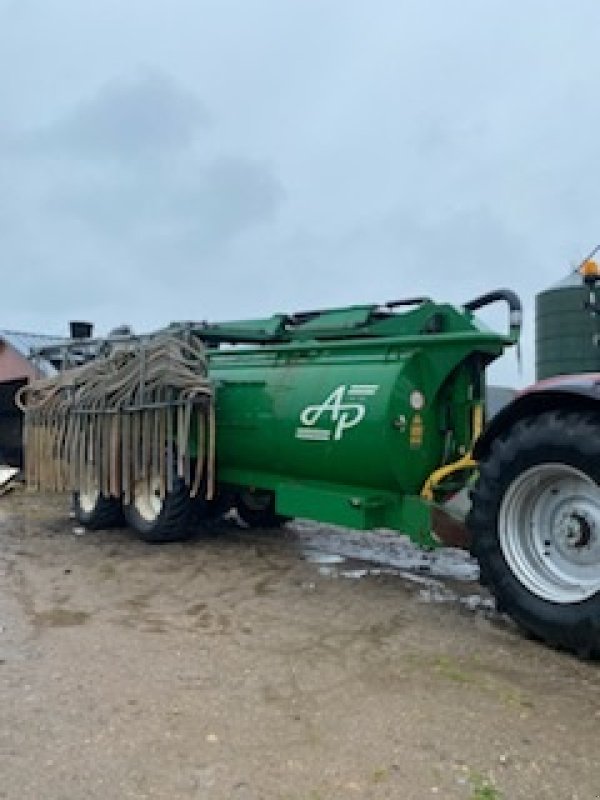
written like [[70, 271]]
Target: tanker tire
[[557, 456], [159, 521], [208, 514], [100, 513], [257, 510]]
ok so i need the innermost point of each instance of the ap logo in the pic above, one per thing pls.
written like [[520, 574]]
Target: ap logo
[[340, 409]]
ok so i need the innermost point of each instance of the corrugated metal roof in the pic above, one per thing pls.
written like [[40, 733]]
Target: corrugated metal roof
[[24, 343]]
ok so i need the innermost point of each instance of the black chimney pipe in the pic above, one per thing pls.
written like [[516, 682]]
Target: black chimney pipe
[[81, 330]]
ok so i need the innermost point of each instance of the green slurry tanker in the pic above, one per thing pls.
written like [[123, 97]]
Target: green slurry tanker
[[366, 417]]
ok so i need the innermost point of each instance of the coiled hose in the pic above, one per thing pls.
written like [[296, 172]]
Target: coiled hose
[[142, 408]]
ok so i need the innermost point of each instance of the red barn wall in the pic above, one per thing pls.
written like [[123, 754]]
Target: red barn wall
[[13, 365]]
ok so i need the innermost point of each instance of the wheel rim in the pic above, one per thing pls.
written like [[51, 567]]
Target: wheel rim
[[89, 490], [549, 532], [147, 498]]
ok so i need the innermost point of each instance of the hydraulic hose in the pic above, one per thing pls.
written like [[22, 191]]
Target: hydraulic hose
[[514, 306]]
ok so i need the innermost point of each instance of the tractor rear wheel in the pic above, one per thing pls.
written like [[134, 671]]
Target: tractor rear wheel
[[159, 519], [535, 526]]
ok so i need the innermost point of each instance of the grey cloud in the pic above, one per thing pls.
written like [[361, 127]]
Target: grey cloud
[[183, 205], [157, 196], [126, 119], [101, 203], [232, 194]]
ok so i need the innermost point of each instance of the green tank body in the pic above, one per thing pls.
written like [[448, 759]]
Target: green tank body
[[364, 413], [350, 412]]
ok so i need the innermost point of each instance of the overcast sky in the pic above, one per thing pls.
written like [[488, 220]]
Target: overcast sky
[[214, 160]]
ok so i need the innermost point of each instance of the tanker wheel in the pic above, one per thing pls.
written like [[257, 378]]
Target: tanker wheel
[[257, 509], [208, 513], [92, 510], [535, 523], [159, 519]]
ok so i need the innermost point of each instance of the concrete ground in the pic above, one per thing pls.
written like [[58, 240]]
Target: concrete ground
[[262, 664]]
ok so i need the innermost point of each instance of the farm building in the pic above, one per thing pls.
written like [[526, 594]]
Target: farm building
[[16, 369]]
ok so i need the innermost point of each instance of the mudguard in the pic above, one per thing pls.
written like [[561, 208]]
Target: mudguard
[[564, 392]]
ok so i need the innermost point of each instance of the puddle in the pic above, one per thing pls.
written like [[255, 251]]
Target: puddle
[[444, 576], [318, 557], [324, 544]]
